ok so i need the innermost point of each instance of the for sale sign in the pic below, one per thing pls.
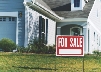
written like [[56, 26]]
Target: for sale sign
[[69, 45]]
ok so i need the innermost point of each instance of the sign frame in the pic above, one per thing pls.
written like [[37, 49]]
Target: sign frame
[[57, 51]]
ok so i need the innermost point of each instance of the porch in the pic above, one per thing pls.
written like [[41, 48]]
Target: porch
[[75, 28]]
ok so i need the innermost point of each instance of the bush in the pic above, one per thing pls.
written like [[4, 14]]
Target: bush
[[7, 45], [51, 49], [37, 46], [96, 53]]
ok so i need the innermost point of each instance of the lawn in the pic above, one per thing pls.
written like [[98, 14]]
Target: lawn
[[15, 62]]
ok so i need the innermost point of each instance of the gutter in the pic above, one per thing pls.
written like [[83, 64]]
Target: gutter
[[73, 20], [36, 6]]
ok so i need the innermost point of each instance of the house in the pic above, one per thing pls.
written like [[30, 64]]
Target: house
[[24, 20]]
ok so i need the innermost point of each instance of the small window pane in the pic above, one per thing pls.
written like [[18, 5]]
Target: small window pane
[[9, 18], [94, 36], [0, 18], [13, 19], [76, 3], [4, 19], [76, 31]]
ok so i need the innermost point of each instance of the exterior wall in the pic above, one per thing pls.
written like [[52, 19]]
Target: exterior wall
[[32, 26], [95, 14], [94, 20], [94, 45], [15, 6], [51, 32]]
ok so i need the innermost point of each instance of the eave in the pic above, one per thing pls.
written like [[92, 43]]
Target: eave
[[73, 20], [43, 11]]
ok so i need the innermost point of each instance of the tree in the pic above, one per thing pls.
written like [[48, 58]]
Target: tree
[[7, 45]]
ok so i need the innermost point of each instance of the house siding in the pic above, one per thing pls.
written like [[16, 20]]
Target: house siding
[[15, 6], [95, 14], [94, 45], [8, 29], [32, 25], [94, 19]]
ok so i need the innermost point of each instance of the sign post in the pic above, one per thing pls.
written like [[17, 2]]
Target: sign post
[[70, 46]]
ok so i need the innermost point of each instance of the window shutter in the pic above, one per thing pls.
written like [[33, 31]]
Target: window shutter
[[43, 30], [43, 25], [46, 31], [40, 26]]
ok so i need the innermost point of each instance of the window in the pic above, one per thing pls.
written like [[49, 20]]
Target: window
[[0, 18], [4, 18], [75, 31], [43, 29], [97, 39], [11, 18], [94, 36], [76, 3]]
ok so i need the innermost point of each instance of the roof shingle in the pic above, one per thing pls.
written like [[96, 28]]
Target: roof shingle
[[63, 8]]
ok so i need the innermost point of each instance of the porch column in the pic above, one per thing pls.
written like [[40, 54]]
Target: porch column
[[58, 30], [26, 25], [85, 33]]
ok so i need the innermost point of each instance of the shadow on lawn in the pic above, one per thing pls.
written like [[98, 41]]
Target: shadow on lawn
[[26, 67]]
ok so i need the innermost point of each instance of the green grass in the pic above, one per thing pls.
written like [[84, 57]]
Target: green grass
[[15, 62]]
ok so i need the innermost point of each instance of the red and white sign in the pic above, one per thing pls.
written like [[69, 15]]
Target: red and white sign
[[69, 45]]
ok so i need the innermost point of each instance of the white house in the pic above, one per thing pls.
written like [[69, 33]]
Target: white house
[[47, 18], [78, 17]]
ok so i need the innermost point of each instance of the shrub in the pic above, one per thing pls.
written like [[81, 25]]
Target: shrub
[[96, 52], [51, 49], [7, 45], [21, 49], [37, 46]]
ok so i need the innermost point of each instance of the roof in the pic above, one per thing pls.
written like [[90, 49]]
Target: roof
[[63, 8], [43, 4], [39, 7]]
